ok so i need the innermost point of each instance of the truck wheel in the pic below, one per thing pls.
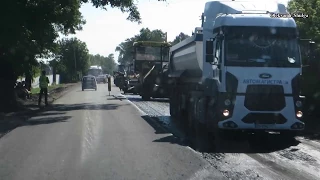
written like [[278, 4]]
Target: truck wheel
[[288, 134], [173, 107], [203, 138], [145, 97], [181, 114]]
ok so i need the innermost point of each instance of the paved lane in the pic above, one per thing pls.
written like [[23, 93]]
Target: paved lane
[[89, 135]]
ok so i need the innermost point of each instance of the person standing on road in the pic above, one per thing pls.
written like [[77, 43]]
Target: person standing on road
[[43, 84]]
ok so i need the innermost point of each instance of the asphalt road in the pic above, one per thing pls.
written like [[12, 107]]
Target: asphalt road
[[248, 157], [90, 135]]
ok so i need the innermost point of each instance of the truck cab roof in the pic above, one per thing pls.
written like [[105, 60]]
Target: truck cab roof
[[214, 9], [252, 20]]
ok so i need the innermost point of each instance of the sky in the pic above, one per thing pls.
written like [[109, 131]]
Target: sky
[[104, 30]]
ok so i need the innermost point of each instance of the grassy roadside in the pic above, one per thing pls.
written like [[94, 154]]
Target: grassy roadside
[[50, 88]]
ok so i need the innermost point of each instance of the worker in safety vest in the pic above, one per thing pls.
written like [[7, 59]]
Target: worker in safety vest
[[43, 84]]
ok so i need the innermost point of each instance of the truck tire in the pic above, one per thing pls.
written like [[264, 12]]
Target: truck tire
[[181, 114], [288, 134], [216, 135], [173, 106], [145, 97], [204, 140]]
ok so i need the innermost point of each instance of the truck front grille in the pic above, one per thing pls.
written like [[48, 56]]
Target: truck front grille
[[264, 118], [264, 98]]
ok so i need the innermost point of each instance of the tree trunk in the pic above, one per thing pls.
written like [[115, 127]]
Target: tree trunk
[[28, 81], [8, 79]]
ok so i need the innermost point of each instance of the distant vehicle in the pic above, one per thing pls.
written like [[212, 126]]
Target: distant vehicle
[[89, 82], [95, 71], [102, 78]]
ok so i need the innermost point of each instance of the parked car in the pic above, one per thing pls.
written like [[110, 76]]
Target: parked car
[[102, 79], [89, 82]]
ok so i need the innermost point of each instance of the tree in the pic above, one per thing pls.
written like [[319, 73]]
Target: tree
[[74, 59], [309, 28], [107, 63], [125, 48], [31, 28], [179, 38]]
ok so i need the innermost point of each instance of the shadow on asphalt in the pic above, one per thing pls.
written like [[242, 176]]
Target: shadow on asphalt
[[156, 126], [138, 98], [114, 97], [172, 139], [46, 120], [232, 143], [85, 90], [82, 106], [40, 116], [312, 129], [7, 126]]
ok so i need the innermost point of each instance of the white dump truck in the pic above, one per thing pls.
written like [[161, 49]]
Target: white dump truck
[[239, 71]]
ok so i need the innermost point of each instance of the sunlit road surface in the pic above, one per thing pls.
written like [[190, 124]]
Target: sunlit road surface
[[91, 136], [253, 157]]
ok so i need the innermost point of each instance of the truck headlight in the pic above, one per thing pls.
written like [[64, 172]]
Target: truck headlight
[[299, 114], [227, 102], [225, 113], [299, 104]]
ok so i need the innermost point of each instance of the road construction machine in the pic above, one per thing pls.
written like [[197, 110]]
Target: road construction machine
[[150, 61]]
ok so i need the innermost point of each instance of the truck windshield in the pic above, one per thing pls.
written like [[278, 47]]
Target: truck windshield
[[262, 47], [152, 53]]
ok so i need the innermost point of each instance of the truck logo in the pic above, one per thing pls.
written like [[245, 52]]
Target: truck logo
[[265, 76]]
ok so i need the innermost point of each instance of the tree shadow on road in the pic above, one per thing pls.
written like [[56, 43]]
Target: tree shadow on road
[[82, 106], [9, 125], [52, 114], [138, 98]]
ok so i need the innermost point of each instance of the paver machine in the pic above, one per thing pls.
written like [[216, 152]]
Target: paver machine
[[150, 60], [119, 76]]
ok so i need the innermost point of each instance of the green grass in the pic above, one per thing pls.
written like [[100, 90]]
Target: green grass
[[37, 90]]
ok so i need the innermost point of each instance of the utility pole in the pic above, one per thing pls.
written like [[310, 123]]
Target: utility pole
[[166, 40]]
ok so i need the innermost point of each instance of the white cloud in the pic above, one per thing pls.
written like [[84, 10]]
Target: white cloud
[[106, 29]]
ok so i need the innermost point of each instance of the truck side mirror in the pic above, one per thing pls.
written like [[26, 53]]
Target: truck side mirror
[[209, 51]]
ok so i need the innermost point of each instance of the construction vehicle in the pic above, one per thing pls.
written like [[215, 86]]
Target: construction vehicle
[[119, 76], [131, 80], [95, 71], [151, 63], [240, 71]]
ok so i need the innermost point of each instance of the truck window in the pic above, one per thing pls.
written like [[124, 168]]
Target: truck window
[[259, 48]]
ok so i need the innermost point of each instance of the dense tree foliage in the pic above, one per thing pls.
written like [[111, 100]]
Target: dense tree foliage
[[107, 63], [73, 59], [179, 38], [309, 28]]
